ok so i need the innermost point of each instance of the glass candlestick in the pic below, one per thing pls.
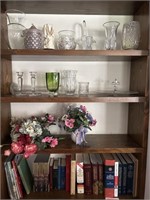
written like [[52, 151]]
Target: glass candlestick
[[33, 82], [20, 83], [115, 83]]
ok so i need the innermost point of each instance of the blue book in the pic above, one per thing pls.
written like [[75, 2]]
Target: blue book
[[130, 173], [63, 174], [124, 174], [59, 173]]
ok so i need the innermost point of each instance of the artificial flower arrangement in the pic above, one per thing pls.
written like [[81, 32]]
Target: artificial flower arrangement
[[77, 120], [31, 134]]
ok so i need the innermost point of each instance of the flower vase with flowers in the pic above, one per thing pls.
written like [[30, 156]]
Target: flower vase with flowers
[[32, 134], [77, 121]]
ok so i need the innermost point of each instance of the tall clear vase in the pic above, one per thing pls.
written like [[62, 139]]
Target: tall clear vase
[[111, 34]]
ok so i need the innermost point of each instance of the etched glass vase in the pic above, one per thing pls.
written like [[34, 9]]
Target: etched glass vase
[[111, 34], [131, 35]]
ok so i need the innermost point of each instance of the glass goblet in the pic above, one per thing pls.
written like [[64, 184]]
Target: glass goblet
[[52, 83]]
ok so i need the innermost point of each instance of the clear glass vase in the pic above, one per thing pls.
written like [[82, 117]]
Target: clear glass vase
[[111, 34], [131, 35]]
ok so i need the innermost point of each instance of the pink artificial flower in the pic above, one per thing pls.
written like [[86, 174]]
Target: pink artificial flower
[[7, 152], [17, 128], [54, 142], [30, 149], [47, 139], [50, 118], [16, 147], [94, 122], [83, 108], [69, 123]]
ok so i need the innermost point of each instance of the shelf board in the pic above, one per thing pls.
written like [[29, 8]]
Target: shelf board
[[96, 143], [85, 55], [57, 194], [107, 98]]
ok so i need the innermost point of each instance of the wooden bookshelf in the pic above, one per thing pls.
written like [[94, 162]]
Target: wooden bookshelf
[[135, 141]]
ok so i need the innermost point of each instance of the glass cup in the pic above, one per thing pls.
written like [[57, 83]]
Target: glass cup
[[52, 83], [70, 81], [83, 88]]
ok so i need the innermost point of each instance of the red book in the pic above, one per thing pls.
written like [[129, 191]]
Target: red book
[[68, 172], [87, 174], [109, 165], [18, 179]]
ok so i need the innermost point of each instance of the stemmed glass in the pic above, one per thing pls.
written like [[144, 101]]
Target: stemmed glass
[[33, 80], [20, 83], [52, 83]]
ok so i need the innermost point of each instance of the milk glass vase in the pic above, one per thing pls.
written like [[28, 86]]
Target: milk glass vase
[[111, 34]]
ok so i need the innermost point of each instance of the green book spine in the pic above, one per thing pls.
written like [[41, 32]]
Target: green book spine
[[25, 174]]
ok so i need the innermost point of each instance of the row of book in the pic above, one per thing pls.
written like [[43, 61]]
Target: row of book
[[109, 174]]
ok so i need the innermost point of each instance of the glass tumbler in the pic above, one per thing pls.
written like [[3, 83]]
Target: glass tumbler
[[131, 35], [70, 81], [83, 88]]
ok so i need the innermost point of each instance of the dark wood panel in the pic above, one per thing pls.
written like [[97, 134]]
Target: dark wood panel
[[142, 15], [5, 121], [74, 7], [6, 76], [107, 98]]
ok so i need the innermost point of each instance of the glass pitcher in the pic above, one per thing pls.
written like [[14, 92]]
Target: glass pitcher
[[111, 34]]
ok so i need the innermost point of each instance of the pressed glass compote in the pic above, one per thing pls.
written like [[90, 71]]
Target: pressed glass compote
[[52, 83]]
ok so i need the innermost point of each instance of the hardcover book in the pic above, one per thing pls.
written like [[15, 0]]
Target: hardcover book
[[68, 172], [109, 165], [87, 174], [25, 175], [100, 173], [73, 176], [55, 174], [124, 174], [130, 173], [119, 172], [51, 173], [94, 165], [135, 178]]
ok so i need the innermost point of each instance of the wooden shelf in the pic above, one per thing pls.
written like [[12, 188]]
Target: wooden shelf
[[86, 55], [108, 98], [56, 194], [96, 143], [74, 7]]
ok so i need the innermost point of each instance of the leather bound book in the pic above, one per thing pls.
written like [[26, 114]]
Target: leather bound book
[[68, 172], [87, 174]]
